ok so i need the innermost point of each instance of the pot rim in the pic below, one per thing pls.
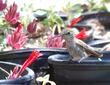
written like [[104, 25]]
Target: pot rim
[[54, 59], [99, 41], [31, 49], [95, 12]]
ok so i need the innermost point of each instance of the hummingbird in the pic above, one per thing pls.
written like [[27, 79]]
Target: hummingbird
[[77, 49]]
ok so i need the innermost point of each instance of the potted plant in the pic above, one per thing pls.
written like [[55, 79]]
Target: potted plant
[[20, 74], [40, 66], [100, 23], [28, 76], [97, 16], [44, 35], [20, 40]]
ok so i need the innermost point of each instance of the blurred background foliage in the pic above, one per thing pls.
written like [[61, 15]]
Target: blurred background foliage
[[52, 10], [73, 8]]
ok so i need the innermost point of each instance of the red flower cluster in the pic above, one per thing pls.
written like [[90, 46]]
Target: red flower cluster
[[2, 5], [16, 72], [12, 16], [17, 39], [54, 41]]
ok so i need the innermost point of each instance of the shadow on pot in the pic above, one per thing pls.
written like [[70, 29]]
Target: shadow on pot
[[91, 71], [27, 78]]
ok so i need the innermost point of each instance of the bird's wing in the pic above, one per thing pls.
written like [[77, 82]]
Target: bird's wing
[[88, 48]]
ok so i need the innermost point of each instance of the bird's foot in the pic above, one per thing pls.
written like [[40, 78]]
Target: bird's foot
[[82, 59]]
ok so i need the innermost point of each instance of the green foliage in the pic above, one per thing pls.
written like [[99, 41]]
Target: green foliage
[[72, 10], [53, 18], [105, 1], [97, 7]]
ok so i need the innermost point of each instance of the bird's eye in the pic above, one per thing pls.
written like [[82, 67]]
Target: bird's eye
[[67, 33]]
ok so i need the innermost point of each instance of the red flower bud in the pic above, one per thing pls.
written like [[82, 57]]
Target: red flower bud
[[31, 28]]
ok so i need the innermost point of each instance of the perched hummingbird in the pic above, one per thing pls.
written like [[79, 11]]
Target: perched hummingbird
[[77, 49]]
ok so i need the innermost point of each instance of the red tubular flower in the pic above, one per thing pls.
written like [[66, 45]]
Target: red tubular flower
[[2, 5], [17, 39], [82, 35], [75, 21], [54, 41], [31, 28], [16, 72], [35, 55], [12, 16]]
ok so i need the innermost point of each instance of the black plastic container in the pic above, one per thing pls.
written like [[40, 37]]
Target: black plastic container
[[102, 16], [40, 66], [82, 26], [43, 16], [90, 71], [28, 76]]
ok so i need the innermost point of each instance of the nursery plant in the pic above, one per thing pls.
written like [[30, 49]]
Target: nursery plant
[[12, 73], [46, 33], [14, 34], [17, 72]]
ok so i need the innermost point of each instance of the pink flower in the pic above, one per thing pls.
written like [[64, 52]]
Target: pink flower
[[54, 41], [17, 72], [31, 28], [2, 5], [12, 16], [17, 39]]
